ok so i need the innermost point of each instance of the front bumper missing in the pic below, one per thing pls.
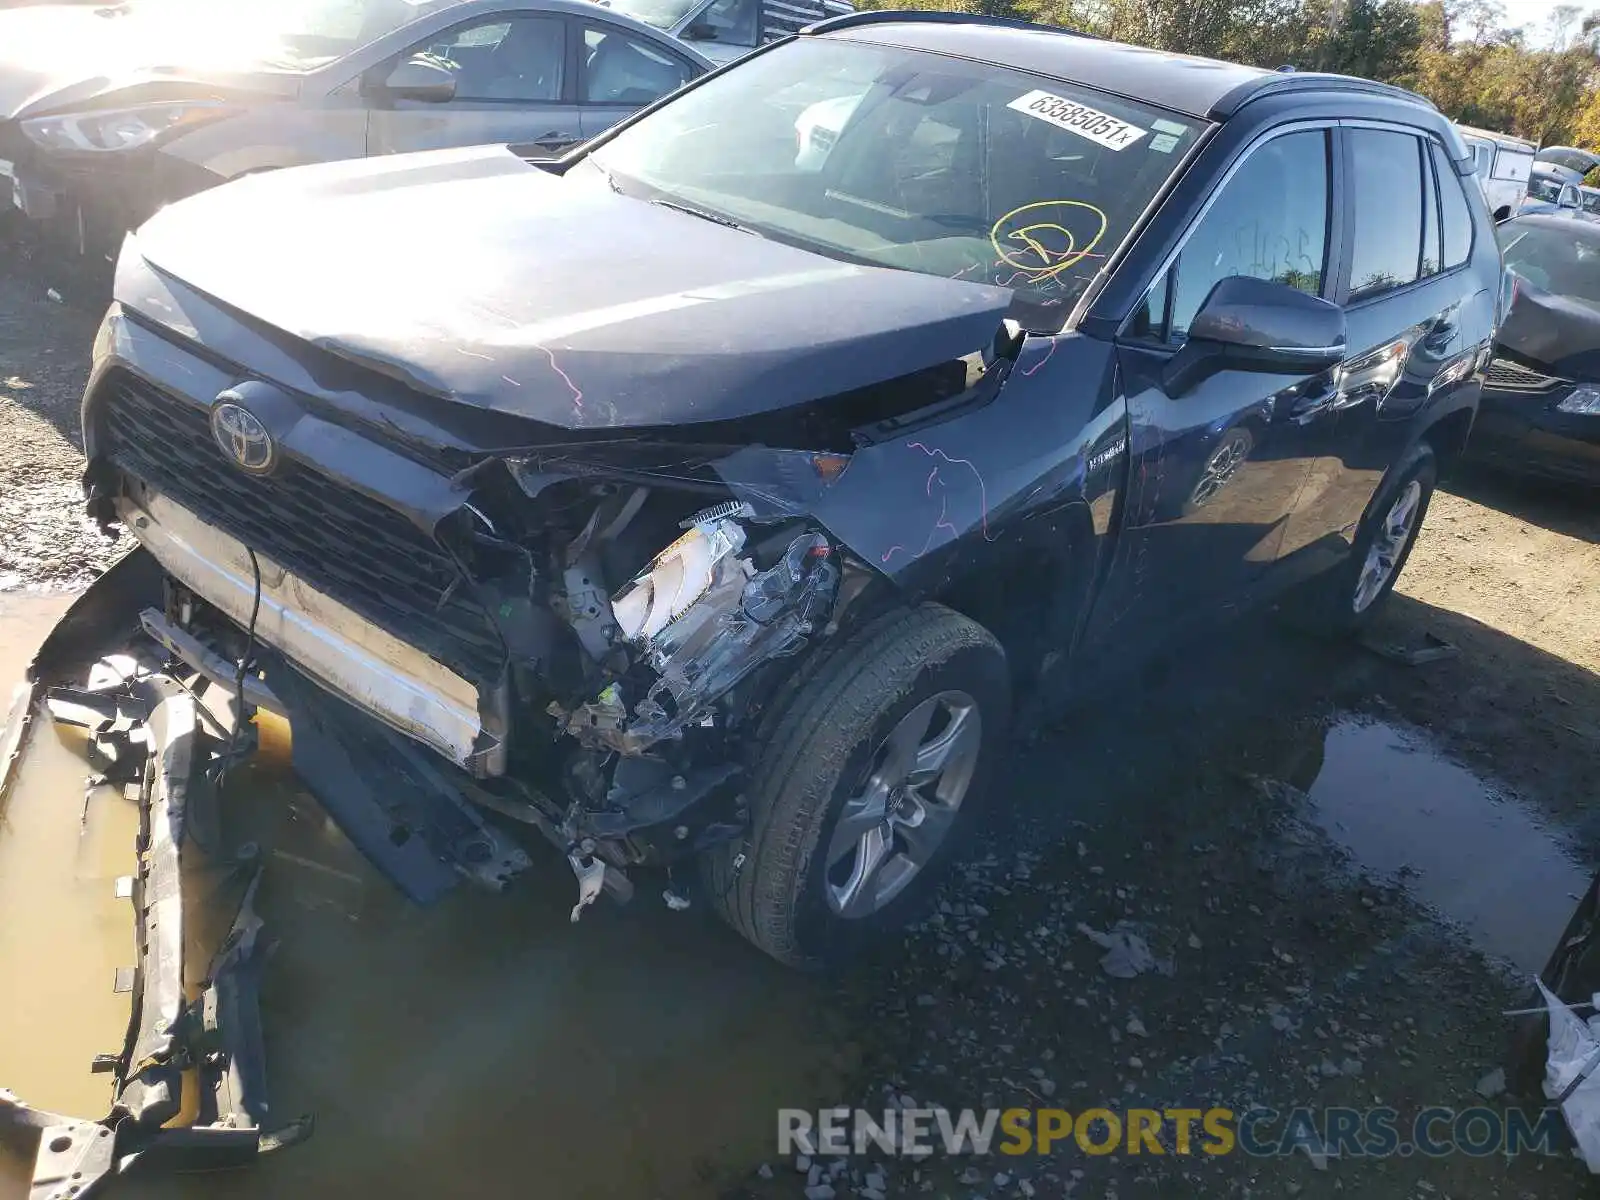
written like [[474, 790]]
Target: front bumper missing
[[384, 676], [217, 1035]]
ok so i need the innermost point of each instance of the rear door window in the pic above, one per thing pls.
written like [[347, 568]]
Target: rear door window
[[1386, 177], [511, 59]]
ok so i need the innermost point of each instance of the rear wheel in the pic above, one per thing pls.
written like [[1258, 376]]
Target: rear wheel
[[865, 787], [1355, 592]]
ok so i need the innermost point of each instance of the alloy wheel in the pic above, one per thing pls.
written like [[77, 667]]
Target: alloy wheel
[[1388, 544], [894, 824]]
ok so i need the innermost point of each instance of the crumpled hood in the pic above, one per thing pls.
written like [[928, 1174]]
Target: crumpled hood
[[476, 277], [1559, 333]]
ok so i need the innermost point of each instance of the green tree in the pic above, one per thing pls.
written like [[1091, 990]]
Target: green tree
[[1459, 53]]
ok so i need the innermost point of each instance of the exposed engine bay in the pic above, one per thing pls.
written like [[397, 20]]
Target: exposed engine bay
[[701, 617], [559, 582], [642, 630]]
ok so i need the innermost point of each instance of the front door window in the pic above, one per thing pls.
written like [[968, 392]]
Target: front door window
[[507, 59]]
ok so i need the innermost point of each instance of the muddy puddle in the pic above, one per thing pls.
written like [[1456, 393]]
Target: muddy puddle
[[485, 1043], [1457, 843], [63, 930]]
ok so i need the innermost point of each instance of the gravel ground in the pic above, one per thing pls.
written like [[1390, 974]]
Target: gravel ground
[[1287, 967], [45, 542]]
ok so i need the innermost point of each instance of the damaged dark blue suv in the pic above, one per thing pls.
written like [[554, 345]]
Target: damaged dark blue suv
[[718, 491]]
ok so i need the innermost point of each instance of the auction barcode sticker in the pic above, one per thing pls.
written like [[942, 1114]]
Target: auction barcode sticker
[[1079, 119]]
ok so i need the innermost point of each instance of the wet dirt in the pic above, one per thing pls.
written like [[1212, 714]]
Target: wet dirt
[[484, 1041], [1409, 815], [1253, 808], [487, 1022], [64, 930]]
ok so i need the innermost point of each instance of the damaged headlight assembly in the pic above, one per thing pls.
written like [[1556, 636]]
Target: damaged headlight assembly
[[121, 129], [701, 617]]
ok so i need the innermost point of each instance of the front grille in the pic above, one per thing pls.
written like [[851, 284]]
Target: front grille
[[1507, 376], [344, 543]]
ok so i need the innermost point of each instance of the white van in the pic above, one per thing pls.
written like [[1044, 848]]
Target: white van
[[724, 30], [1504, 164]]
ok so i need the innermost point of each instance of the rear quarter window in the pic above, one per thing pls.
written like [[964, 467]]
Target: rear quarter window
[[1455, 214]]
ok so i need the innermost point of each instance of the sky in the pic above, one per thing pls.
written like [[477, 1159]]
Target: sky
[[1532, 14]]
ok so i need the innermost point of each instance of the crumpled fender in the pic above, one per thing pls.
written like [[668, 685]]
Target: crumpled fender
[[922, 504]]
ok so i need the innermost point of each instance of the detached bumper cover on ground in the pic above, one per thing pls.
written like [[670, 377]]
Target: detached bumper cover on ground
[[219, 1034]]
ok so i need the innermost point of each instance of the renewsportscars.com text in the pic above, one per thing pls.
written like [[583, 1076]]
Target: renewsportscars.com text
[[1258, 1132]]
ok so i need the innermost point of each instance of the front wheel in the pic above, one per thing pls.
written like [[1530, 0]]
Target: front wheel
[[866, 786]]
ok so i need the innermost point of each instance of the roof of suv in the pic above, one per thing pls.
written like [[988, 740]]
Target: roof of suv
[[1198, 87]]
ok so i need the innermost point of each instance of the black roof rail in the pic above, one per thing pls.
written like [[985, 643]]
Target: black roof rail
[[904, 16], [1281, 82]]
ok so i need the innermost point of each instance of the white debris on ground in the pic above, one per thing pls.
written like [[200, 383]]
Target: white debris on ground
[[1572, 1074], [1127, 955]]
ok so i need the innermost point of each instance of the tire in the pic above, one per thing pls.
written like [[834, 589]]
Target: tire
[[1342, 606], [824, 747]]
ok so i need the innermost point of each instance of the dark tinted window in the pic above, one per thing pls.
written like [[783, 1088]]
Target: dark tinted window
[[1431, 254], [1387, 174], [519, 58], [1455, 216], [1269, 222], [1149, 320], [622, 69], [731, 22]]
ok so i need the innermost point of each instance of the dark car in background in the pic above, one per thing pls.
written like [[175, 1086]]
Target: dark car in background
[[1540, 412], [1569, 158], [1551, 190], [107, 114]]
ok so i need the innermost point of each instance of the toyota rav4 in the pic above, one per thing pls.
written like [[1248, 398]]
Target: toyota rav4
[[717, 492]]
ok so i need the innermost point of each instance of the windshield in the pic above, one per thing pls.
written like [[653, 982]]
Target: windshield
[[905, 159], [1543, 187], [663, 14], [298, 35], [1554, 260]]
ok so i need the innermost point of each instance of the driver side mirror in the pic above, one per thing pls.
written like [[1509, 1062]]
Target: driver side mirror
[[1257, 325], [1570, 197], [421, 79], [700, 31]]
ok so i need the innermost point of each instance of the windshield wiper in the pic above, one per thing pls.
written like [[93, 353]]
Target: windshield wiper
[[714, 218]]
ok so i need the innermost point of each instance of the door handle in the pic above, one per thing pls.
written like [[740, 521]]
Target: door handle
[[554, 140], [1320, 395]]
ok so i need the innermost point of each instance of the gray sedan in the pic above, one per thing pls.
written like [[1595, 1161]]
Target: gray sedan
[[108, 114]]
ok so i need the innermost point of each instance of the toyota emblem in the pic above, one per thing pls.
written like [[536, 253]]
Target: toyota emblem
[[242, 437]]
